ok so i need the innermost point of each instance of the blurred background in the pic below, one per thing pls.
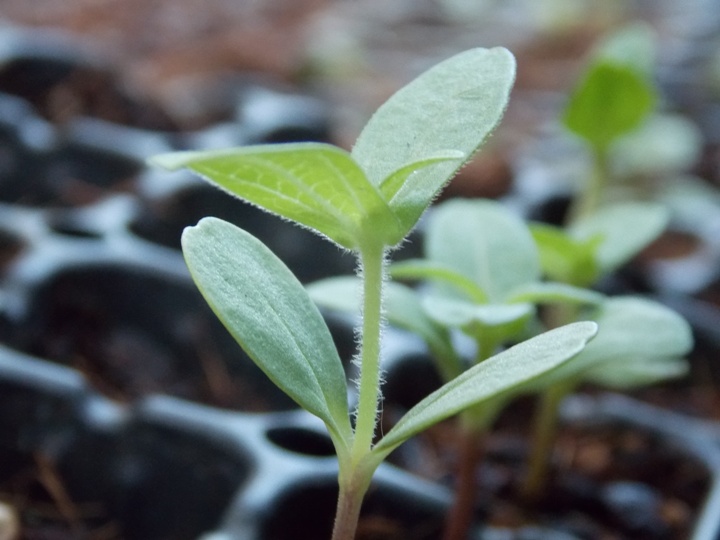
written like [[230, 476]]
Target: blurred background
[[185, 57]]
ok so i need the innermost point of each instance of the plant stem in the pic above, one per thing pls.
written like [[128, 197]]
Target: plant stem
[[544, 429], [460, 516], [372, 260], [474, 423], [349, 503], [356, 473], [589, 200]]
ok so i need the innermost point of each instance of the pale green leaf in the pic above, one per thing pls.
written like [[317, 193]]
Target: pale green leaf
[[665, 144], [460, 313], [548, 292], [632, 45], [317, 185], [489, 380], [489, 324], [435, 271], [268, 312], [629, 373], [631, 330], [485, 242], [390, 185], [454, 105], [625, 229]]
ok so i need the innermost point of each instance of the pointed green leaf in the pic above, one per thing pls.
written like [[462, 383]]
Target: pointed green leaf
[[630, 373], [454, 105], [435, 271], [565, 258], [490, 379], [664, 144], [625, 229], [475, 318], [268, 312], [611, 100], [342, 293], [631, 330], [392, 184], [317, 185], [547, 292], [486, 243], [402, 308]]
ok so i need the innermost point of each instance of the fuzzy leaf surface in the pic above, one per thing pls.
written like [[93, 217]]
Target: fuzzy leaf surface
[[268, 312], [454, 105], [473, 318], [625, 229], [633, 333], [486, 243], [316, 185], [638, 371], [490, 379], [424, 269], [548, 292]]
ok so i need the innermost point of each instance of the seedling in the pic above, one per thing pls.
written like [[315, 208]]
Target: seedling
[[612, 102], [482, 276], [367, 202], [613, 98]]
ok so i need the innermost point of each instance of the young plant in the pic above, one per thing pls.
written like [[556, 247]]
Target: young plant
[[613, 98], [367, 202], [613, 102], [482, 276], [642, 342]]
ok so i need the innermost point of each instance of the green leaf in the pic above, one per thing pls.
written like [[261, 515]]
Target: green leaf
[[664, 144], [630, 373], [633, 46], [489, 380], [564, 258], [486, 243], [546, 292], [611, 100], [632, 330], [434, 271], [625, 229], [454, 105], [477, 319], [268, 312], [402, 308], [392, 184], [317, 185]]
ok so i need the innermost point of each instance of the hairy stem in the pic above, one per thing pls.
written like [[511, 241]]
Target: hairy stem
[[356, 473], [372, 260], [349, 503]]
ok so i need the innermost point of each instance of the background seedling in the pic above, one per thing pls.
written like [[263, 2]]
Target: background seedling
[[613, 98], [610, 110], [367, 202], [482, 276]]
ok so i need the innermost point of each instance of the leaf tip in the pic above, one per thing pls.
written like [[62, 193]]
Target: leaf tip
[[171, 161], [587, 328]]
